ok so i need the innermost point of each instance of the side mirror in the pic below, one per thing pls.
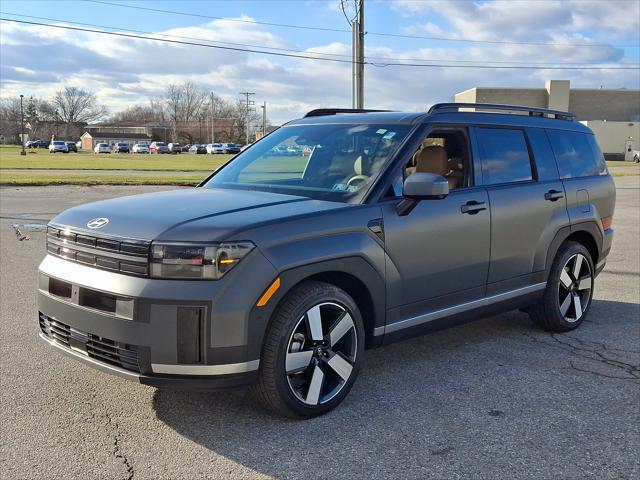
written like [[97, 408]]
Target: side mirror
[[421, 186]]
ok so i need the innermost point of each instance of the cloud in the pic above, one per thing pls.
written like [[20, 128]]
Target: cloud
[[122, 71]]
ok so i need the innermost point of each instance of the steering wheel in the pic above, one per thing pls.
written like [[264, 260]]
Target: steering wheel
[[357, 179]]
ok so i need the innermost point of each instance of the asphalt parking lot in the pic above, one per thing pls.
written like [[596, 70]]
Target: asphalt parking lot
[[496, 398]]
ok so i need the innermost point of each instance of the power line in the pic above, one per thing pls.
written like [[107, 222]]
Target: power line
[[311, 57], [381, 34], [199, 39]]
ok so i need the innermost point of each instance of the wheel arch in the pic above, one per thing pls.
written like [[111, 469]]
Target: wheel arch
[[587, 234], [354, 275]]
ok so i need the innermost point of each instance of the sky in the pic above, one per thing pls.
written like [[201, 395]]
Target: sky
[[584, 34]]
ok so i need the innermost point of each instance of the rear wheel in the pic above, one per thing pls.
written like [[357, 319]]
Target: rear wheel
[[312, 351], [567, 297]]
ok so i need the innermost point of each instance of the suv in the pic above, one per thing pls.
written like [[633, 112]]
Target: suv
[[175, 148], [279, 273], [121, 147]]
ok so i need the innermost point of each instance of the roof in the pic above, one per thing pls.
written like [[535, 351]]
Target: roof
[[131, 136]]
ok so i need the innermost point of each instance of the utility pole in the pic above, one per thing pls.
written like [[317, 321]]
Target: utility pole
[[357, 56], [213, 119], [22, 126], [360, 55], [248, 104], [264, 118]]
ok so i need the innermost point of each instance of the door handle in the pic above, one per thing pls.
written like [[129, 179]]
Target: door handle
[[472, 207], [553, 195]]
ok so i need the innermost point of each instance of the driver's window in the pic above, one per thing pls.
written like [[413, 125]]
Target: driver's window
[[444, 152]]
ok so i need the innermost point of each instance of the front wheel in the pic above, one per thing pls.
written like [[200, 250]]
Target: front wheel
[[567, 296], [312, 351]]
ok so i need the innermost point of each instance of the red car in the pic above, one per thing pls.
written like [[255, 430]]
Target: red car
[[158, 147]]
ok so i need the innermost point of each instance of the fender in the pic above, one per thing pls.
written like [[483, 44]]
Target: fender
[[590, 227], [356, 266]]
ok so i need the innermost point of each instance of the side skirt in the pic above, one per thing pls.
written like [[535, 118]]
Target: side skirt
[[461, 313]]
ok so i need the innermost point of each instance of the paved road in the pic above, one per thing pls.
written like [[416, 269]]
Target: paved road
[[497, 398]]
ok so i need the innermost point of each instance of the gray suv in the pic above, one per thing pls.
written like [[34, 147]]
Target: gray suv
[[278, 271]]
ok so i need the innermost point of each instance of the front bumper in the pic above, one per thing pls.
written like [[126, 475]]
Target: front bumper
[[169, 333]]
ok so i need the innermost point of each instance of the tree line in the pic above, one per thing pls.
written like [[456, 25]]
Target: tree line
[[187, 111]]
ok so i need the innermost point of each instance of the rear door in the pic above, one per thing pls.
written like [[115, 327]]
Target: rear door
[[528, 204]]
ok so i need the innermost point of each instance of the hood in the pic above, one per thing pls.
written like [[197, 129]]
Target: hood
[[196, 214]]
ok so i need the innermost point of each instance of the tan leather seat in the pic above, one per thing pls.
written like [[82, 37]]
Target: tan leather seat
[[434, 159]]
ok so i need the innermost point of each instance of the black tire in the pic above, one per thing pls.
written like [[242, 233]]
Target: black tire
[[549, 314], [281, 391]]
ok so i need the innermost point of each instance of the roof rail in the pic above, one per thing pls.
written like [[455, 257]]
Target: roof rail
[[533, 111], [321, 112]]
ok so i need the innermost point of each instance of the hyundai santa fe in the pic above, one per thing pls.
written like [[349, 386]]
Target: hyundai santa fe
[[278, 271]]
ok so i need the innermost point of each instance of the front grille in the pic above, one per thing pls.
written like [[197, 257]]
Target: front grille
[[99, 348], [130, 257]]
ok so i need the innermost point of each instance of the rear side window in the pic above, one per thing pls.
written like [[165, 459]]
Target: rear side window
[[577, 154], [504, 155]]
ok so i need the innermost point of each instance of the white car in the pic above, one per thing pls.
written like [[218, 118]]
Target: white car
[[58, 146], [102, 148], [215, 148], [140, 148]]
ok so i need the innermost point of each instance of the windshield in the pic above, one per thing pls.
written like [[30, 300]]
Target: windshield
[[333, 162], [59, 143]]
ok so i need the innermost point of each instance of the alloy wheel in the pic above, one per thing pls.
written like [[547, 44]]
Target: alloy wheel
[[321, 353], [574, 287]]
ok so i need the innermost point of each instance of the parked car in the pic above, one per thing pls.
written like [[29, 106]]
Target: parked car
[[121, 147], [40, 144], [175, 148], [230, 148], [140, 148], [185, 148], [158, 147], [215, 148], [58, 146], [198, 149], [102, 148], [282, 284], [71, 146]]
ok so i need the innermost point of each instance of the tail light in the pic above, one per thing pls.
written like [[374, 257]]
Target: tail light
[[606, 222]]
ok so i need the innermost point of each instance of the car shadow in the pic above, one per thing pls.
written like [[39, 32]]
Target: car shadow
[[420, 406]]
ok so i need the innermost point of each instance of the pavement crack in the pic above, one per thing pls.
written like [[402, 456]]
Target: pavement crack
[[117, 451], [596, 352]]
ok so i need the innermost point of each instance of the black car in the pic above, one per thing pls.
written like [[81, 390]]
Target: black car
[[72, 147], [198, 148], [38, 144], [231, 148], [121, 147]]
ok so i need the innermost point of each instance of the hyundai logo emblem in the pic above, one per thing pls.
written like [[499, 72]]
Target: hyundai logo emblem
[[97, 222]]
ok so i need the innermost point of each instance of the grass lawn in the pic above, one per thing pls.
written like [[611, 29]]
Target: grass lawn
[[180, 169], [66, 178], [40, 158]]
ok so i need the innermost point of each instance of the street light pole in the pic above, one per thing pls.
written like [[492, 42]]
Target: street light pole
[[264, 118], [22, 126], [56, 114]]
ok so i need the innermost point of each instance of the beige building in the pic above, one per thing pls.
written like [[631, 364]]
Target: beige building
[[613, 114]]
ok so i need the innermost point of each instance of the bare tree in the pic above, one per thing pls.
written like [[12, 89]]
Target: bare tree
[[77, 106], [10, 119], [183, 104], [139, 114]]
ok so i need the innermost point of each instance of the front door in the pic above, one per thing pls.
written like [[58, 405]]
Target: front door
[[438, 254]]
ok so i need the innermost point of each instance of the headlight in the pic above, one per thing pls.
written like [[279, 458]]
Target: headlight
[[207, 262]]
